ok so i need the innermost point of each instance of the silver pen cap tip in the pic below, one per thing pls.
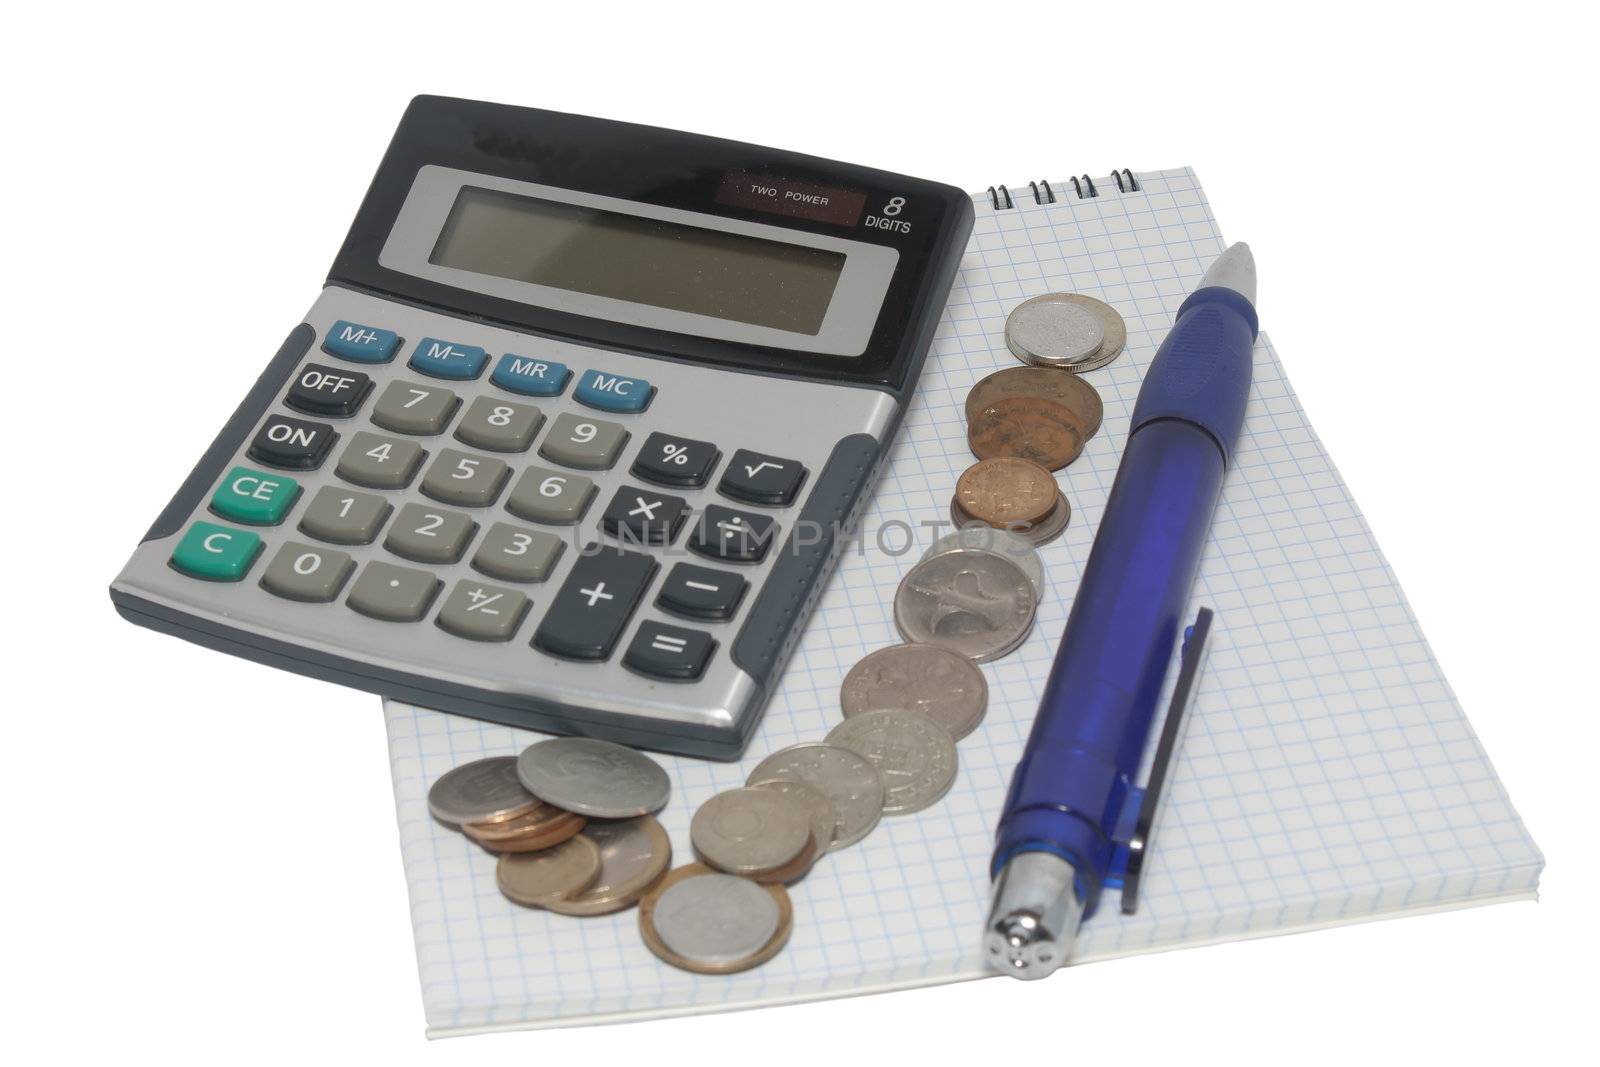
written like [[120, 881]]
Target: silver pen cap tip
[[1033, 916], [1234, 269]]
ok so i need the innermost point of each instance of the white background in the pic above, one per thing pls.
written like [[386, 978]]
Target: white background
[[200, 862]]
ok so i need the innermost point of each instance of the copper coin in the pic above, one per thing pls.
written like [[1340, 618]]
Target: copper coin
[[795, 869], [634, 854], [537, 879], [1038, 533], [708, 921], [544, 827], [1051, 383], [1027, 427], [1006, 490]]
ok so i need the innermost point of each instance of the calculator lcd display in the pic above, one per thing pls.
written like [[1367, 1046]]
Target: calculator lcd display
[[663, 264]]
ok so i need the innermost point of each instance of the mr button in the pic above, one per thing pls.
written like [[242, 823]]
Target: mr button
[[327, 391]]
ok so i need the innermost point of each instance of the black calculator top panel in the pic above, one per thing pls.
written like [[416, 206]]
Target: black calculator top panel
[[924, 223]]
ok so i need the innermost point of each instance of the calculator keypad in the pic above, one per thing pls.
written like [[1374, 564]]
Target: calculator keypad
[[379, 462], [344, 517], [588, 444], [414, 408], [499, 425], [303, 572], [292, 443], [455, 477], [429, 535]]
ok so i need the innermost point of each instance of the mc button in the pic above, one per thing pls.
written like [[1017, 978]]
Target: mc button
[[612, 392]]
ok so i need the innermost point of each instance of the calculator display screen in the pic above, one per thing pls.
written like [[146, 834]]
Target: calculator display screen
[[664, 264]]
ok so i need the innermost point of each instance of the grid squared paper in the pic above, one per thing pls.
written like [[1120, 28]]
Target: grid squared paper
[[1328, 774]]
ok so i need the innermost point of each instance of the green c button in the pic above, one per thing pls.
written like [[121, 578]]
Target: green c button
[[216, 553]]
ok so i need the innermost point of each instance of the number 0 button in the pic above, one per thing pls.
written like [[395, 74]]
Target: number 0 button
[[301, 572], [588, 444]]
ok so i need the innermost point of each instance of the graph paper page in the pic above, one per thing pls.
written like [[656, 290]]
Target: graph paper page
[[1328, 774]]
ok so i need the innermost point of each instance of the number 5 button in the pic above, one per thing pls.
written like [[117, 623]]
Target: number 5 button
[[457, 478]]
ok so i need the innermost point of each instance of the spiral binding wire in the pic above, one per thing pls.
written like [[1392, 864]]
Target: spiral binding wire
[[1083, 186]]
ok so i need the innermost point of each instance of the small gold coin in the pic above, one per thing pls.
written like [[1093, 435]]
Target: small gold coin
[[634, 854], [1049, 383], [1005, 491], [536, 879], [1027, 427], [714, 922], [1038, 533], [541, 828]]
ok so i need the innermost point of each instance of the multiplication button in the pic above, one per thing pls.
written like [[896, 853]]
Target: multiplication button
[[644, 517], [759, 479], [588, 613], [667, 460]]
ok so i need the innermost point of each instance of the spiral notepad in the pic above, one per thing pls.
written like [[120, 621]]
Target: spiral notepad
[[1328, 774]]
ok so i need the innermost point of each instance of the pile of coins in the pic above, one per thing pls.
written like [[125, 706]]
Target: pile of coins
[[571, 816]]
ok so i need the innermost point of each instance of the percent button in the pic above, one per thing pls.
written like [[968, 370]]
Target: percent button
[[677, 461]]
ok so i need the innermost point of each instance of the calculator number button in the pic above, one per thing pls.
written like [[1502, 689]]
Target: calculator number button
[[530, 377], [643, 517], [543, 495], [471, 481], [481, 612], [734, 536], [589, 612], [344, 516], [328, 391], [216, 553], [588, 444], [498, 425], [301, 572], [421, 410], [393, 594], [758, 479], [429, 535], [255, 497], [514, 554], [611, 392], [379, 462], [360, 344], [667, 460], [292, 443], [701, 593], [669, 652], [444, 359]]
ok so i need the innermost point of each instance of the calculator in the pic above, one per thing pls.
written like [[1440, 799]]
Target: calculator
[[574, 433]]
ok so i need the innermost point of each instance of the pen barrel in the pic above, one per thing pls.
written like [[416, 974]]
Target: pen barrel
[[1098, 706]]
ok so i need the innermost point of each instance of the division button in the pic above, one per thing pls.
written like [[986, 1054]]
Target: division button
[[292, 443], [255, 497], [643, 516], [429, 535], [701, 593], [758, 479], [588, 444], [343, 516], [471, 481], [379, 462], [393, 594], [543, 495], [482, 612], [409, 407], [515, 554], [530, 377], [360, 344], [668, 460], [612, 392], [216, 553], [499, 425], [668, 651], [443, 359], [734, 536], [302, 572], [593, 605], [328, 391]]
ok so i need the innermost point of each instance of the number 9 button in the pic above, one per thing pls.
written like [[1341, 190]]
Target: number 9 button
[[588, 444]]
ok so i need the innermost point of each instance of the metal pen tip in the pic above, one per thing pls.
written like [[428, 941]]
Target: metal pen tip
[[1234, 269]]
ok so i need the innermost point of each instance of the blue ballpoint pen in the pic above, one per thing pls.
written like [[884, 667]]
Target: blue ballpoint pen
[[1055, 843]]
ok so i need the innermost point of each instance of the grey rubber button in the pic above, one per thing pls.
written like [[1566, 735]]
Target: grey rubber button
[[456, 477], [482, 612], [543, 495], [393, 594], [515, 554], [410, 407], [499, 425], [429, 535], [305, 572], [344, 516], [379, 462], [588, 444]]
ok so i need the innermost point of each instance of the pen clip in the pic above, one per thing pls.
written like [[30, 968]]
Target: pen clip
[[1136, 849]]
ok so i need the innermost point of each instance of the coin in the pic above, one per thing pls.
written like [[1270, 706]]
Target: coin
[[710, 923], [985, 538], [1051, 383], [534, 879], [485, 790], [915, 756], [975, 603], [634, 854], [930, 681], [749, 831], [850, 783], [1055, 330], [540, 828], [796, 868], [595, 778], [817, 806], [1027, 427], [1052, 525], [1005, 491]]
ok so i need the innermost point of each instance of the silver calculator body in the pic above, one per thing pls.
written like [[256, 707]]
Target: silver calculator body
[[573, 435]]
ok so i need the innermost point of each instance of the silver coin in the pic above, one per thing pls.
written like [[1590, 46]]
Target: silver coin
[[975, 603], [716, 919], [750, 831], [930, 681], [818, 808], [851, 784], [915, 756], [485, 790], [985, 538], [1054, 331], [595, 778]]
